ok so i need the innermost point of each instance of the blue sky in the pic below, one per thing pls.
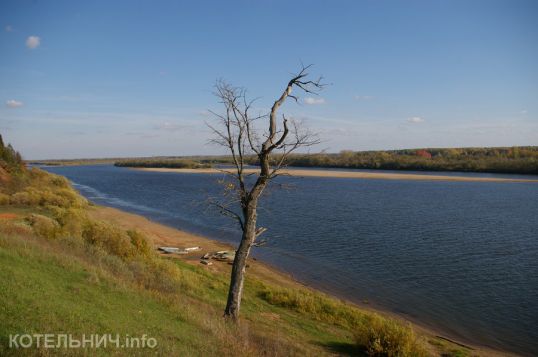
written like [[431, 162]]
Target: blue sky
[[134, 78]]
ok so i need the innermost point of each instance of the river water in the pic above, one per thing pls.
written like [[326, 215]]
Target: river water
[[460, 257]]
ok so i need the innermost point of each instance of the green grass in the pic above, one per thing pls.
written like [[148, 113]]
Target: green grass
[[45, 291], [61, 286], [51, 287]]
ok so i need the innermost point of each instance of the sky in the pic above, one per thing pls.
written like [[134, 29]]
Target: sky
[[82, 79]]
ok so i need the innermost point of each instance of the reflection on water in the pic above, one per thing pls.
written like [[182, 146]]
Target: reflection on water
[[459, 256]]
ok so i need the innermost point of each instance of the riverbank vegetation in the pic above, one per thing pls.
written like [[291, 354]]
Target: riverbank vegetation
[[514, 160], [73, 162], [520, 160], [63, 271], [164, 163]]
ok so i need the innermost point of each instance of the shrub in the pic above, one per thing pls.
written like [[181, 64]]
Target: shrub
[[21, 198], [44, 226], [39, 188], [72, 220], [4, 199], [47, 197], [59, 181], [70, 198], [113, 240], [140, 243], [388, 338]]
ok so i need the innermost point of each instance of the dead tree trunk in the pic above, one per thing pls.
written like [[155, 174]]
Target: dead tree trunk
[[240, 263], [240, 138]]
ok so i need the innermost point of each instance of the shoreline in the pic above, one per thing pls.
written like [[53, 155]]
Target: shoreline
[[346, 174], [163, 235]]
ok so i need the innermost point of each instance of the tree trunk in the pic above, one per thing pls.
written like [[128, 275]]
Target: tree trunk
[[240, 262], [238, 136]]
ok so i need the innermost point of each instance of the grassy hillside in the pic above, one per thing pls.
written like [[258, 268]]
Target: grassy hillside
[[62, 271]]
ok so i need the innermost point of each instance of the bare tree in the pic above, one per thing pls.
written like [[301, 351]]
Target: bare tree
[[238, 134]]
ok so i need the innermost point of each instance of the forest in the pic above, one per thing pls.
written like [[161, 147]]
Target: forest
[[521, 160], [516, 160], [178, 163]]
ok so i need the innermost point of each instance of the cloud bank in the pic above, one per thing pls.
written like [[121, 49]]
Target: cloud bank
[[12, 103], [415, 120], [363, 97], [314, 101]]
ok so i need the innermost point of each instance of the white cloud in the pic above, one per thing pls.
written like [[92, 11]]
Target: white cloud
[[523, 112], [415, 120], [12, 103], [9, 28], [168, 126], [33, 42], [314, 101], [204, 113], [364, 97]]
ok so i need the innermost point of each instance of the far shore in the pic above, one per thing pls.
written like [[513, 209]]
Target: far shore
[[349, 174], [163, 235]]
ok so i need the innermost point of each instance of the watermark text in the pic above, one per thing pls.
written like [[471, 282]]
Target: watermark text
[[50, 340]]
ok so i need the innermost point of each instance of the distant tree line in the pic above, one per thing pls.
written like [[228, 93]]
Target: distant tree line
[[163, 163], [517, 160], [521, 160]]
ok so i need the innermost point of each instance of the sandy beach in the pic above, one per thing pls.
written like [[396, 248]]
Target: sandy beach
[[352, 174], [162, 235]]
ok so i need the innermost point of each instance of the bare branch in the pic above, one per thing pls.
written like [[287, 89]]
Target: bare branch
[[228, 212], [237, 133]]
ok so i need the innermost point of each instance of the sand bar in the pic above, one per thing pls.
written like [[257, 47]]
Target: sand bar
[[352, 174]]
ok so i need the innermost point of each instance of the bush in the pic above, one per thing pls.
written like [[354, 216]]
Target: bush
[[44, 226], [22, 199], [140, 243], [388, 338], [44, 196], [4, 199], [72, 220], [113, 240], [47, 197], [69, 198], [59, 181]]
